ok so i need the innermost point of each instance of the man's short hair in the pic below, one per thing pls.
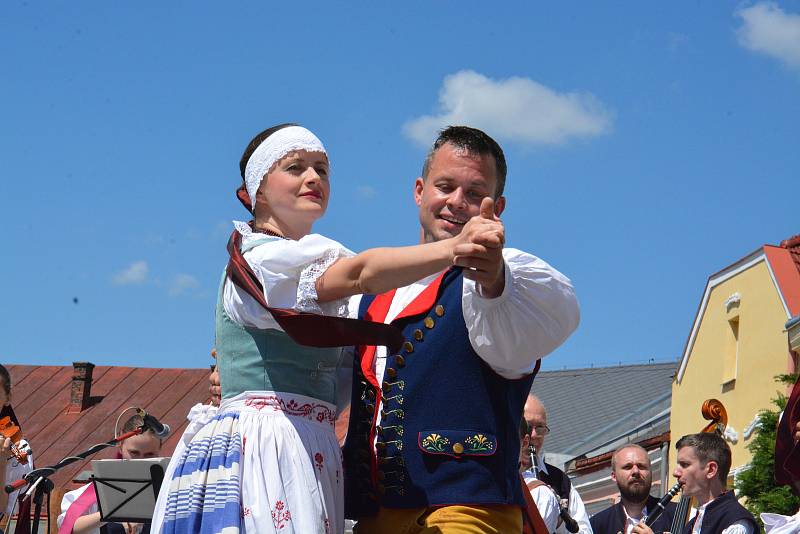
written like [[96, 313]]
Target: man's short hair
[[628, 446], [475, 142], [709, 446], [5, 379]]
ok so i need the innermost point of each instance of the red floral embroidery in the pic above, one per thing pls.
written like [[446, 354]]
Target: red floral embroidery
[[280, 517], [318, 460], [309, 410], [327, 526], [246, 512]]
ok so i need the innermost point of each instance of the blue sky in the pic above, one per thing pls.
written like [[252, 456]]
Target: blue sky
[[649, 145]]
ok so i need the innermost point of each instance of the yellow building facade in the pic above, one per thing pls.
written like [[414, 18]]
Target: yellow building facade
[[737, 345]]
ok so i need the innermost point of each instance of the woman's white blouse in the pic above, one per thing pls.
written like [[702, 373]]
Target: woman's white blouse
[[288, 271]]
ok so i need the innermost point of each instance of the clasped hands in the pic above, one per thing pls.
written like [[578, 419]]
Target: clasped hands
[[479, 250]]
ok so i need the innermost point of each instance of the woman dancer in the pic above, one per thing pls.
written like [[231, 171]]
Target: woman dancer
[[269, 460]]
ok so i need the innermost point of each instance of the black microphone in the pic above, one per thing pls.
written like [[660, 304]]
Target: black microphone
[[160, 429]]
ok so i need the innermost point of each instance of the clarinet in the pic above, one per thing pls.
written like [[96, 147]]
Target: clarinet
[[661, 505], [563, 504]]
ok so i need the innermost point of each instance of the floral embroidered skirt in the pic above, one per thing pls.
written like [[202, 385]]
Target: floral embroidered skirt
[[266, 462]]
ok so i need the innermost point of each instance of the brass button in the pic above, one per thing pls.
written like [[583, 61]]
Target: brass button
[[408, 346], [379, 430], [418, 335], [401, 362], [386, 386], [381, 475], [391, 372], [381, 489], [458, 448], [439, 310], [380, 446], [428, 322]]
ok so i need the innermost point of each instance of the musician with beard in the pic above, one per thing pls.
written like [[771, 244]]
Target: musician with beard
[[630, 469]]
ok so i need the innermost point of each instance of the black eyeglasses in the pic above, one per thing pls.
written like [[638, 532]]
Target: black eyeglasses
[[541, 430]]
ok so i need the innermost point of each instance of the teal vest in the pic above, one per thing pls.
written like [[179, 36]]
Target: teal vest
[[252, 359]]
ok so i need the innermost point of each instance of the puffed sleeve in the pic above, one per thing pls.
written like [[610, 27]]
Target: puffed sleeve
[[288, 271], [536, 312]]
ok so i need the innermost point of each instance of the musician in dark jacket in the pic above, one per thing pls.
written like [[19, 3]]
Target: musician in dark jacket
[[630, 469], [704, 461]]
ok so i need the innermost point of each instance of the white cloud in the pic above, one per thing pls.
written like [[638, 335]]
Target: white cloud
[[766, 28], [513, 109], [183, 283], [366, 192], [135, 273]]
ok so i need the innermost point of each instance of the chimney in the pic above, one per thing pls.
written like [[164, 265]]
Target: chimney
[[81, 387]]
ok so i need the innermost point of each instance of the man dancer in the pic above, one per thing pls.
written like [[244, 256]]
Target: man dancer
[[433, 436], [704, 461], [630, 469], [536, 418]]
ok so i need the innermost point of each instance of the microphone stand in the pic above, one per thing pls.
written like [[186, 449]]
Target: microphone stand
[[41, 485]]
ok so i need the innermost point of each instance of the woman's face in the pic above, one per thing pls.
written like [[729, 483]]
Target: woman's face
[[295, 192], [145, 445]]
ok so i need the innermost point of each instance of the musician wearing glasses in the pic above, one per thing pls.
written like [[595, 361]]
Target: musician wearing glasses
[[630, 469], [536, 417]]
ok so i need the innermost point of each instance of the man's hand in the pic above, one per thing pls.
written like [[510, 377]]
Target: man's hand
[[480, 250], [797, 431], [641, 528], [5, 452]]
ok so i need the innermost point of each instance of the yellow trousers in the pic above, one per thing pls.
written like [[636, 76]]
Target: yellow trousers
[[454, 519]]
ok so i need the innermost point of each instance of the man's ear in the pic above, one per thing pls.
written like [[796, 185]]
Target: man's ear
[[613, 476], [419, 185], [499, 205], [712, 468]]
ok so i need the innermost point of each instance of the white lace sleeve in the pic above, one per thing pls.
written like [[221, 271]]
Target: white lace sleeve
[[288, 271], [307, 286]]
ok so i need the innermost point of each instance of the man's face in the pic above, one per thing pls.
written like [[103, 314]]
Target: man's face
[[695, 476], [536, 416], [452, 193], [632, 474]]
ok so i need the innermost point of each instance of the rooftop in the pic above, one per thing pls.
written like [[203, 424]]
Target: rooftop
[[41, 401], [587, 409]]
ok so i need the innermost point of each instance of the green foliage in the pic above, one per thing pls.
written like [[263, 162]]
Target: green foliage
[[757, 482]]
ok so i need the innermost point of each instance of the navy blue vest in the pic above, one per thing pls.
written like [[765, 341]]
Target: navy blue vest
[[723, 511], [612, 519], [449, 424]]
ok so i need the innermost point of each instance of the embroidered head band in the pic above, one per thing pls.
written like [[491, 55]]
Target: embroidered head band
[[272, 149]]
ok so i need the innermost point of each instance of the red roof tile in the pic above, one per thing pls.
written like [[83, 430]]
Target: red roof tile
[[793, 246], [41, 395]]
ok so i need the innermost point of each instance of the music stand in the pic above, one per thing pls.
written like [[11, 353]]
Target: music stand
[[121, 487]]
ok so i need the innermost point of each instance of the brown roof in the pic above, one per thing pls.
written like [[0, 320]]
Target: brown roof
[[41, 396], [793, 246]]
